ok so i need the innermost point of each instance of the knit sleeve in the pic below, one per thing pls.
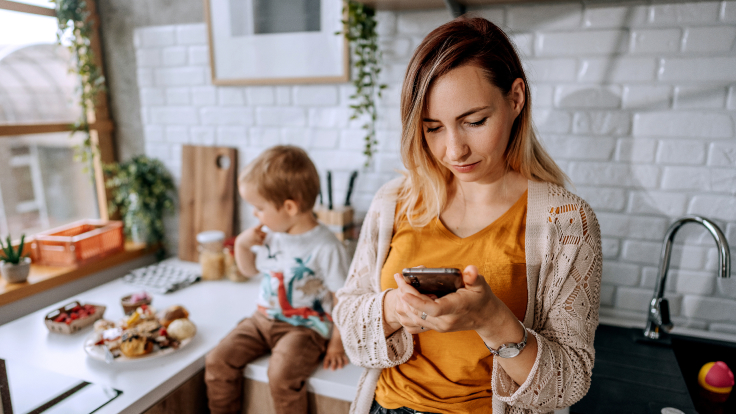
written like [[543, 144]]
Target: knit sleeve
[[359, 311], [565, 313]]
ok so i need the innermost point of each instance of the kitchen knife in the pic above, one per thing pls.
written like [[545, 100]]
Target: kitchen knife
[[329, 190], [353, 176]]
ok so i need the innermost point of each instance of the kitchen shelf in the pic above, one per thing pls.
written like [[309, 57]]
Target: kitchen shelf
[[43, 278]]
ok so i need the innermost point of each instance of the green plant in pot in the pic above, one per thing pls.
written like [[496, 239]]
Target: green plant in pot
[[143, 192], [15, 266]]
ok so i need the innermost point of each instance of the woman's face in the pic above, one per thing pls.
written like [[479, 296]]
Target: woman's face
[[468, 121]]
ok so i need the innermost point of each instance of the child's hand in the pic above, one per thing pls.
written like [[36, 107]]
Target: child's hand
[[254, 236], [335, 357]]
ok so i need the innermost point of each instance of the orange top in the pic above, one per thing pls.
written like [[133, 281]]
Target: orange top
[[451, 372]]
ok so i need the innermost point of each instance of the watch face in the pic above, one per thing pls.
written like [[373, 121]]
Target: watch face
[[508, 352]]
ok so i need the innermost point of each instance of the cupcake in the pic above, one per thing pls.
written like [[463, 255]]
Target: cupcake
[[131, 302], [173, 313]]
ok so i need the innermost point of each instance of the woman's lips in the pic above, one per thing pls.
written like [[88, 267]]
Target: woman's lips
[[465, 168]]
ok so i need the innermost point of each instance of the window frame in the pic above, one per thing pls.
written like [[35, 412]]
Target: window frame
[[101, 126]]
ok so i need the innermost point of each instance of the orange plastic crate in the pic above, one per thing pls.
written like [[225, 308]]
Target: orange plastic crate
[[78, 243]]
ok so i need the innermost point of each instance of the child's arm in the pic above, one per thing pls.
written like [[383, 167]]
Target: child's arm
[[244, 257], [335, 357]]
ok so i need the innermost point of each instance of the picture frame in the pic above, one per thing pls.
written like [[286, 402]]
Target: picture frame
[[260, 42]]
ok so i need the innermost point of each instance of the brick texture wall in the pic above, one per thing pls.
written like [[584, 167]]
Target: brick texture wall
[[637, 103]]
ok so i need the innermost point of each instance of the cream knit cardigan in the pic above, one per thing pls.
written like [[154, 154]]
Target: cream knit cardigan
[[563, 262]]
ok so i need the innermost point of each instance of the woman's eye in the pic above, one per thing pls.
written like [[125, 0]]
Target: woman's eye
[[430, 129], [479, 123]]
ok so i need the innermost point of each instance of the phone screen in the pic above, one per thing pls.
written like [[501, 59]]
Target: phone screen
[[434, 281]]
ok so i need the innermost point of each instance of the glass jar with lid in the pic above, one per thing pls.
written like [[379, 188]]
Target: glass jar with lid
[[211, 254]]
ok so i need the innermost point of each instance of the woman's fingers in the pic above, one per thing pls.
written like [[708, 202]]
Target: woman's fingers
[[409, 317]]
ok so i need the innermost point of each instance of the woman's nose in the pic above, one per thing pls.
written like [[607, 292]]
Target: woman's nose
[[456, 149]]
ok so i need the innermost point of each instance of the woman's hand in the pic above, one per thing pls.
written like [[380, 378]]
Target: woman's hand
[[397, 313], [473, 307]]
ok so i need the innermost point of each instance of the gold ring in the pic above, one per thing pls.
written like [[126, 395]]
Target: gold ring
[[424, 316]]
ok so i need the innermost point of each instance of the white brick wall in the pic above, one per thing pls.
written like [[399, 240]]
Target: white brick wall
[[637, 102]]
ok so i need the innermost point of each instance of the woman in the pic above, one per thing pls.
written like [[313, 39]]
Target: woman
[[480, 194]]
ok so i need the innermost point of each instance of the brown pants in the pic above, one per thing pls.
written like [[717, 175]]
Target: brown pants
[[295, 353]]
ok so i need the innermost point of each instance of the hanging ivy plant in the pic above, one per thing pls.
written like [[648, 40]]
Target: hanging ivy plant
[[143, 192], [75, 27], [360, 31]]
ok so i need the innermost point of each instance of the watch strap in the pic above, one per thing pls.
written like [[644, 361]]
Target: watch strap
[[518, 347]]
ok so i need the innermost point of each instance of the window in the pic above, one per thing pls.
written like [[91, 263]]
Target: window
[[41, 185]]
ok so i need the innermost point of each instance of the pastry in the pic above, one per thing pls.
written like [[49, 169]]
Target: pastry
[[181, 329], [103, 324], [173, 313], [149, 329], [146, 312], [135, 345]]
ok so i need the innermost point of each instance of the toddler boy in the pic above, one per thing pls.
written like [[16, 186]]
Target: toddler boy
[[302, 264]]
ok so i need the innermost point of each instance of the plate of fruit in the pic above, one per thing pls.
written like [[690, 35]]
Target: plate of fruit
[[73, 316], [142, 334]]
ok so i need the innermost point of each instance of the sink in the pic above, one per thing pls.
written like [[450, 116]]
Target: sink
[[692, 353], [632, 376], [637, 375]]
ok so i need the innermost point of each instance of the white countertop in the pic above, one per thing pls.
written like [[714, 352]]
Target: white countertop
[[215, 307]]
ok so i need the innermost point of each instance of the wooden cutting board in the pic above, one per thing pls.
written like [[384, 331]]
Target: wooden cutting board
[[207, 195]]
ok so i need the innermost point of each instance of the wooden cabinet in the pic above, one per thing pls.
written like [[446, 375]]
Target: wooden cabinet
[[258, 401], [191, 398]]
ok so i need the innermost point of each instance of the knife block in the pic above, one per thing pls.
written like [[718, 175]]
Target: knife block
[[339, 220]]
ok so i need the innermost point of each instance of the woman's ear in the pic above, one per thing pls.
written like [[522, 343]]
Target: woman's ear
[[517, 95], [292, 207]]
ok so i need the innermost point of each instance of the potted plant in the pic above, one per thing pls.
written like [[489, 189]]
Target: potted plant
[[14, 266], [142, 191]]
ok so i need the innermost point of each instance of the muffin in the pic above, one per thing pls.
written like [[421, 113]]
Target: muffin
[[173, 313]]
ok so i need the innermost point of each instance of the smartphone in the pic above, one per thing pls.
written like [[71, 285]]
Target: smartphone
[[437, 281]]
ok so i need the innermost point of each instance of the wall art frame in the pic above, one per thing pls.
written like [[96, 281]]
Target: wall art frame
[[253, 42]]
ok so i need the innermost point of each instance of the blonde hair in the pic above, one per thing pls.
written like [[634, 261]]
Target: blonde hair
[[281, 173], [464, 41]]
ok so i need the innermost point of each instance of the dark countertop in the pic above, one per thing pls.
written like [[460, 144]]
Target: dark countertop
[[631, 376]]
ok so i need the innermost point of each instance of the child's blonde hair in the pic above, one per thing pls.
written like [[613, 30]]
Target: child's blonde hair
[[281, 173]]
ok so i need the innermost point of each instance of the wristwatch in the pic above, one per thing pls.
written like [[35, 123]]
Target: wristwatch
[[509, 349]]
